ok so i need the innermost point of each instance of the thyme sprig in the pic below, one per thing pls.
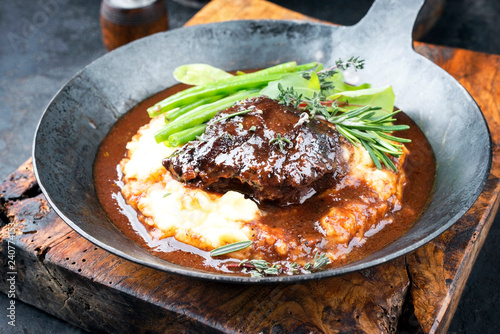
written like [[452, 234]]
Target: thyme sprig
[[262, 268], [323, 77], [315, 107], [289, 96], [280, 141], [320, 260], [354, 62], [325, 74]]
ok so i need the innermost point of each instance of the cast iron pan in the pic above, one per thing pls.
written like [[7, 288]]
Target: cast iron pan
[[85, 109]]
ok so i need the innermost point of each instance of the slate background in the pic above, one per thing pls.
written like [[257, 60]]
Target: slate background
[[45, 42]]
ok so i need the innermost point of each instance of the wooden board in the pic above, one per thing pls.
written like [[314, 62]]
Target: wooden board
[[67, 276]]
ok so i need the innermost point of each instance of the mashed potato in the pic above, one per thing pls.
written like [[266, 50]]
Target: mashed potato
[[193, 216]]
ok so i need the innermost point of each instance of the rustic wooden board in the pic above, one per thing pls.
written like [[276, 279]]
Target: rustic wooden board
[[65, 275]]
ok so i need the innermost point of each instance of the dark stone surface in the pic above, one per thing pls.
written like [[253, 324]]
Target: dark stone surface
[[44, 43]]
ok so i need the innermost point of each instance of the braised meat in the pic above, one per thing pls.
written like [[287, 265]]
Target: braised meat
[[270, 152]]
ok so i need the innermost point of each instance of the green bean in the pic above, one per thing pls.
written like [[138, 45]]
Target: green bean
[[305, 67], [201, 114], [217, 88], [182, 137], [174, 113], [164, 106], [280, 68]]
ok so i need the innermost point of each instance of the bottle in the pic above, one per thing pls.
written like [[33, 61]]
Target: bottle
[[123, 21]]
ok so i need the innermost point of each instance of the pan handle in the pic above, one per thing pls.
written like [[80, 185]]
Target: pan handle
[[392, 19]]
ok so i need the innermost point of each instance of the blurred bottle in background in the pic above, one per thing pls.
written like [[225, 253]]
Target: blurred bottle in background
[[123, 21]]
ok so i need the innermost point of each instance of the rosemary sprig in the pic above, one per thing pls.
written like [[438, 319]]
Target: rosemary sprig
[[363, 126], [238, 113], [234, 247], [280, 142]]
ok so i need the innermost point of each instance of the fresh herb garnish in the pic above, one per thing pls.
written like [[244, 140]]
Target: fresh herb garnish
[[252, 128], [354, 62], [266, 268], [234, 247], [318, 263], [323, 77], [261, 268], [280, 142], [363, 126], [238, 113], [288, 96], [167, 194], [315, 106]]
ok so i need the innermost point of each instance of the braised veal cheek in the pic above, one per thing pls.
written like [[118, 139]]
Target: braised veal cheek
[[270, 153]]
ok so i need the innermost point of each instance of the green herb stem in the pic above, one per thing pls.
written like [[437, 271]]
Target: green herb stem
[[238, 113], [362, 126], [234, 247]]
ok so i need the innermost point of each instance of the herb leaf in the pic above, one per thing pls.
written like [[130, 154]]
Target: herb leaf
[[199, 74], [362, 125], [315, 106], [289, 97], [318, 263], [261, 268], [280, 142], [234, 247], [382, 97], [354, 62], [238, 113]]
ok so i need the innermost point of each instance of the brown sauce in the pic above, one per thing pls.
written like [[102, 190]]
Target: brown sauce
[[419, 167]]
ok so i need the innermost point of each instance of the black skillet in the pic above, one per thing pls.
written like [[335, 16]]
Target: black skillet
[[82, 113]]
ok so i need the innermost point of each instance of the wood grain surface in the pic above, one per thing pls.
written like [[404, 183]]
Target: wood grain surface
[[67, 276]]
